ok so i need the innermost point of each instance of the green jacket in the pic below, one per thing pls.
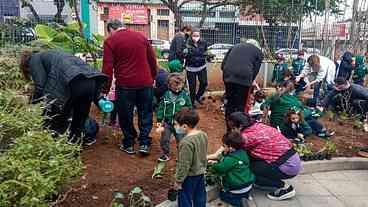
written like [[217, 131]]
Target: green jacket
[[171, 104], [235, 171], [298, 65], [192, 156], [360, 70], [278, 72], [280, 105]]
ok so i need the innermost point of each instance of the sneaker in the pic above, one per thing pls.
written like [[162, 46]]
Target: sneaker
[[282, 193], [144, 149], [89, 141], [164, 158], [128, 150]]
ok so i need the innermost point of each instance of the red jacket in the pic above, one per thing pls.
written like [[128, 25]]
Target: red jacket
[[264, 142], [131, 58]]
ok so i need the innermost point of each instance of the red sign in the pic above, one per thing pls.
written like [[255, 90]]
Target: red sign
[[128, 13]]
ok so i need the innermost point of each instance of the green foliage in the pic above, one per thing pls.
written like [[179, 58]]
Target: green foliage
[[303, 149], [138, 199], [10, 75], [330, 147], [158, 171], [35, 166]]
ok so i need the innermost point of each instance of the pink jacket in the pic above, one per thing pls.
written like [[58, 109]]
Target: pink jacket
[[265, 142]]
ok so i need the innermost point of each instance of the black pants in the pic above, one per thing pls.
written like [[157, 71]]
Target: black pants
[[83, 93], [141, 98], [192, 81], [236, 98], [361, 107]]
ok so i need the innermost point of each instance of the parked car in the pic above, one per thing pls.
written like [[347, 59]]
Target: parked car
[[288, 53], [219, 50], [162, 45], [20, 34], [311, 50]]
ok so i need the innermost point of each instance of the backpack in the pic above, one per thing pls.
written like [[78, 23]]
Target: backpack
[[91, 128]]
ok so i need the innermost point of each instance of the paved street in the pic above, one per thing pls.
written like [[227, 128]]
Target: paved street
[[329, 189]]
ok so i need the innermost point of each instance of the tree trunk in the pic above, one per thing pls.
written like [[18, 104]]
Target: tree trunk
[[59, 6], [76, 11], [36, 17], [204, 15]]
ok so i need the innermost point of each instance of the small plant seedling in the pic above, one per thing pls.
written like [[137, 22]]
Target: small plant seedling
[[158, 171]]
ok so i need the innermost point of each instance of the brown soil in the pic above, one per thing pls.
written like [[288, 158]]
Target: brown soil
[[107, 169]]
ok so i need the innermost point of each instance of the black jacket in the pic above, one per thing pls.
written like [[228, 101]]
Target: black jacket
[[176, 48], [241, 64], [53, 70], [292, 133], [355, 91], [197, 55], [345, 68]]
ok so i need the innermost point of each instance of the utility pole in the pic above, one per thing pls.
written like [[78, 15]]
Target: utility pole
[[300, 24]]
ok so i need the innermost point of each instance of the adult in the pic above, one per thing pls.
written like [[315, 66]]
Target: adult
[[67, 84], [273, 158], [129, 56], [356, 97], [284, 100], [345, 68], [240, 68], [314, 73], [178, 44], [196, 65]]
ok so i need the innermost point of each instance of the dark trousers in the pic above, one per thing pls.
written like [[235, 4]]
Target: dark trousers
[[268, 175], [166, 137], [192, 82], [83, 93], [359, 82], [193, 192], [316, 91], [361, 107], [236, 98], [316, 126], [114, 113], [233, 199], [127, 100]]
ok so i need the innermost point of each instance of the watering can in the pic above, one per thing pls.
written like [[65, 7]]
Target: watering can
[[105, 106]]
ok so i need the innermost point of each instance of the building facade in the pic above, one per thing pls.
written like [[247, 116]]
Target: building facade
[[151, 18], [9, 8]]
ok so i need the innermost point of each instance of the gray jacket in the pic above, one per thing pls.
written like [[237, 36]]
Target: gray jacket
[[53, 70]]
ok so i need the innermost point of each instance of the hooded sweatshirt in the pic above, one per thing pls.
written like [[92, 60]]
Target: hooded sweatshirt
[[346, 67], [360, 70]]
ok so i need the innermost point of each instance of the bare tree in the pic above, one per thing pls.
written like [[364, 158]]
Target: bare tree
[[60, 4], [28, 4]]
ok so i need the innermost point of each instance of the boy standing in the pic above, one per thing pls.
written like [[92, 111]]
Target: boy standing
[[279, 70], [360, 70], [298, 64], [192, 160]]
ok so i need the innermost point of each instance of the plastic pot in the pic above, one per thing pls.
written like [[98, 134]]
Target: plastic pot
[[321, 156], [172, 194], [328, 156]]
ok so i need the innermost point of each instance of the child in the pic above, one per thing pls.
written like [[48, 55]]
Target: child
[[360, 70], [294, 127], [112, 97], [192, 160], [259, 98], [160, 85], [279, 70], [172, 101], [233, 167], [298, 64]]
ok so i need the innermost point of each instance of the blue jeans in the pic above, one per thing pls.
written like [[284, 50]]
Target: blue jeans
[[193, 192], [141, 98], [233, 199], [316, 126]]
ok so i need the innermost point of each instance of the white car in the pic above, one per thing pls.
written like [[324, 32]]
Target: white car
[[163, 45], [219, 50], [288, 54]]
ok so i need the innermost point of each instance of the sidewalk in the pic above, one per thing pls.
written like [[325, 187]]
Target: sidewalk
[[329, 189]]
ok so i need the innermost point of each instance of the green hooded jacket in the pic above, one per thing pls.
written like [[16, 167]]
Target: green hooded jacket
[[360, 70], [278, 72], [298, 65], [234, 169], [171, 104]]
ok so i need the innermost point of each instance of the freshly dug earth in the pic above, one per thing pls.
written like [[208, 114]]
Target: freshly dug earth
[[107, 169]]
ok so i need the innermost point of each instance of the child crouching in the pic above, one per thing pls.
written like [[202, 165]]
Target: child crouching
[[233, 167], [173, 100]]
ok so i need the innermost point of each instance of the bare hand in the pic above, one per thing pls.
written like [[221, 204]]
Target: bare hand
[[178, 186], [212, 161]]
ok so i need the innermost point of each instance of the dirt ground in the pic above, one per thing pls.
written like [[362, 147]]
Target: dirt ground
[[107, 169]]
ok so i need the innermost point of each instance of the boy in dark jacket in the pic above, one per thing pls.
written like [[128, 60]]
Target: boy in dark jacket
[[178, 44], [234, 169], [360, 70], [172, 101], [279, 70], [346, 67]]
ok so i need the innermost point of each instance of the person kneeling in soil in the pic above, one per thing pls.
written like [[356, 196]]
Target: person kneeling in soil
[[175, 99], [192, 163], [68, 85], [233, 166], [294, 129], [273, 158]]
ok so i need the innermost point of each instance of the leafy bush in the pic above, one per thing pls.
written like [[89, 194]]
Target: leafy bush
[[10, 75], [35, 166]]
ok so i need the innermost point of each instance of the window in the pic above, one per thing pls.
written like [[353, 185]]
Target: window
[[163, 12], [227, 14], [106, 10], [163, 23]]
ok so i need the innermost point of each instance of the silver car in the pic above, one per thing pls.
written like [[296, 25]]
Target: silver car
[[219, 50]]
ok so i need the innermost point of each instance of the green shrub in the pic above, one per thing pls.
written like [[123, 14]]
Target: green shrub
[[10, 75], [34, 167]]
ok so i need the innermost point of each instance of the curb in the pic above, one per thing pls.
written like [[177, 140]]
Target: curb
[[341, 163]]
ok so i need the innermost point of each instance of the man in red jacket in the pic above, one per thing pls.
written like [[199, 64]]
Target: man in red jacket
[[130, 58]]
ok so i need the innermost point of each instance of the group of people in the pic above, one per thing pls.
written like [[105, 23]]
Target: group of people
[[257, 147]]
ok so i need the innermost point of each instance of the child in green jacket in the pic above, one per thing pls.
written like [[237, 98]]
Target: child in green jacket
[[279, 70], [174, 99], [234, 168], [360, 70]]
